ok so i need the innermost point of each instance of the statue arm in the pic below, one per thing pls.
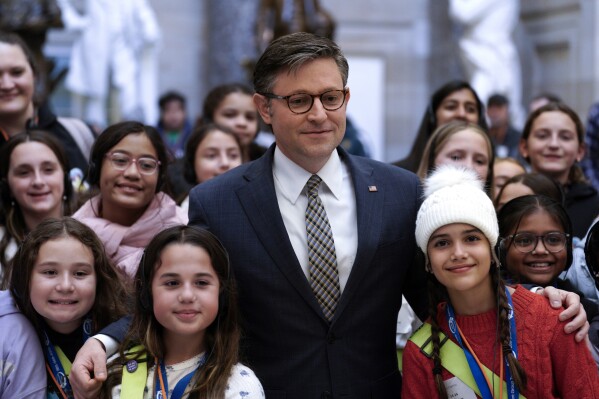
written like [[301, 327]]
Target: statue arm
[[469, 11]]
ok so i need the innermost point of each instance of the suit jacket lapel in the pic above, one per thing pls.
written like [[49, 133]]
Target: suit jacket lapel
[[258, 199], [369, 207]]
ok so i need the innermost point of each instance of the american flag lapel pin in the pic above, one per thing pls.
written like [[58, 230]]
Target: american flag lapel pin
[[372, 189]]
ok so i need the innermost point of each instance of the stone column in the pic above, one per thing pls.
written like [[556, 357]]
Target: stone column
[[231, 26]]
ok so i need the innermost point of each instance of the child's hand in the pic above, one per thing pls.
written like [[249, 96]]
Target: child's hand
[[573, 310], [89, 370]]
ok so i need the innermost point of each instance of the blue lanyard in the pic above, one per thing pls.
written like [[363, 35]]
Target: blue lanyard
[[512, 390], [477, 373], [181, 385], [54, 363]]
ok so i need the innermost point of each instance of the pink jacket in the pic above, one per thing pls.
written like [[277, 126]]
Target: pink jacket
[[124, 245]]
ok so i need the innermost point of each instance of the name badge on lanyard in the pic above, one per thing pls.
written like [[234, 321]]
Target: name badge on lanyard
[[481, 380], [58, 365]]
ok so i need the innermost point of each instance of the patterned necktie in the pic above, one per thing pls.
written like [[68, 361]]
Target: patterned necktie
[[324, 276]]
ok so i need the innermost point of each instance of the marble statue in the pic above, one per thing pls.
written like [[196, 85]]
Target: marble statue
[[487, 49], [117, 47]]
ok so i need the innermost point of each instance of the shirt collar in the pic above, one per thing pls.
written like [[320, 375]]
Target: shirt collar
[[292, 178]]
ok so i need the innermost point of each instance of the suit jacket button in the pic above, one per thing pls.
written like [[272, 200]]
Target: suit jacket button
[[331, 338], [326, 395]]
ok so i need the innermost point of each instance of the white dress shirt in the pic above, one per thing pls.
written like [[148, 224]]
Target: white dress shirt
[[338, 198]]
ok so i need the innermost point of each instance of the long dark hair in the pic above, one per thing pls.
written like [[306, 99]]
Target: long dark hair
[[222, 336], [538, 183], [110, 293], [194, 141], [13, 219], [216, 96], [428, 123], [112, 135], [511, 214], [591, 252], [437, 294]]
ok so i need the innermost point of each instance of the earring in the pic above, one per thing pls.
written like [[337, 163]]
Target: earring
[[12, 203], [64, 198]]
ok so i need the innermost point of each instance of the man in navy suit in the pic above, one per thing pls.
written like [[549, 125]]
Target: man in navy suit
[[258, 211]]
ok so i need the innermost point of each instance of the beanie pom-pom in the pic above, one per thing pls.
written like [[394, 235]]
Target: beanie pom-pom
[[449, 176]]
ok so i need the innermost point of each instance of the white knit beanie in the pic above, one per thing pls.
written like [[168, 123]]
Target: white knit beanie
[[455, 195]]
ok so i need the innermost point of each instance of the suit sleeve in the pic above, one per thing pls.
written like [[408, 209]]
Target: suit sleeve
[[118, 329], [197, 216], [415, 285]]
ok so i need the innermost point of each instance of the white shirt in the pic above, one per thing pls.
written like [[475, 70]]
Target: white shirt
[[338, 198], [242, 382]]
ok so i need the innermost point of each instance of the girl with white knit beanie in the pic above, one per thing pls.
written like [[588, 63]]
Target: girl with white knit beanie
[[483, 339]]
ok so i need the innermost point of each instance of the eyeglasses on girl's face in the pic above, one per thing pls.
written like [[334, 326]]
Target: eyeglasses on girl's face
[[121, 161], [527, 242]]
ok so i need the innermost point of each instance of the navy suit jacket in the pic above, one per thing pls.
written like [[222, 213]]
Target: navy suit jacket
[[293, 349]]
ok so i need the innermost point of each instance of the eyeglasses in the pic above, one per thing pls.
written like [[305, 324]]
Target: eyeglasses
[[145, 165], [301, 103], [527, 242]]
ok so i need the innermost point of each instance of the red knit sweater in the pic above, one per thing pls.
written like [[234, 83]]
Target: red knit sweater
[[555, 365]]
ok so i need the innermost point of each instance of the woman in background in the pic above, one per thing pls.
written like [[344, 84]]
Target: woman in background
[[455, 100]]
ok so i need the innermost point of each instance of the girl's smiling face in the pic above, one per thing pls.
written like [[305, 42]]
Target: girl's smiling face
[[459, 105], [17, 82], [460, 258], [185, 292], [539, 266], [36, 180], [63, 283], [126, 193], [553, 146]]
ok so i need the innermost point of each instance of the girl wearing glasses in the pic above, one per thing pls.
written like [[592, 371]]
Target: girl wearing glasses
[[483, 339], [127, 164], [536, 239], [536, 246]]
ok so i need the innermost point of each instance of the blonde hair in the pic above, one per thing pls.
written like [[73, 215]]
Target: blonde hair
[[439, 139]]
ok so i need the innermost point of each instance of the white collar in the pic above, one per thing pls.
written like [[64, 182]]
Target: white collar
[[292, 178]]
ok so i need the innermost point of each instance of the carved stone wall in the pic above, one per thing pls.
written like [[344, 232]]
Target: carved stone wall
[[401, 51]]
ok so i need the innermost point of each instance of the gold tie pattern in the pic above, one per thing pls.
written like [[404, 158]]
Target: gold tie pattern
[[324, 276]]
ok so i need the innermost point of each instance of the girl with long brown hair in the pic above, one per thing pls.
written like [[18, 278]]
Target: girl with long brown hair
[[483, 338], [184, 335]]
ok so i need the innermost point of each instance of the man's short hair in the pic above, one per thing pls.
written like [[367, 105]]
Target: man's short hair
[[497, 100], [292, 51], [170, 96]]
